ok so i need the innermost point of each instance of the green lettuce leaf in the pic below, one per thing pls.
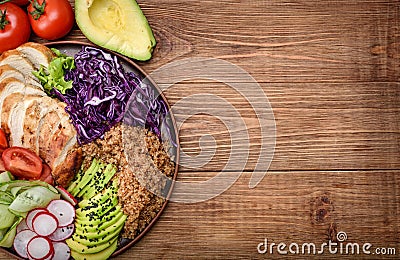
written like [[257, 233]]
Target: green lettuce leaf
[[53, 76]]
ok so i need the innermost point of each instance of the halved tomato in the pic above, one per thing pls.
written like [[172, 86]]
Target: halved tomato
[[22, 162], [3, 141], [46, 174]]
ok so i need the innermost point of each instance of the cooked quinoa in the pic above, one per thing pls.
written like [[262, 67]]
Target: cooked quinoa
[[146, 157]]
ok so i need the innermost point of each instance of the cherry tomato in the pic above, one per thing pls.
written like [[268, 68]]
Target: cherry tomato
[[51, 19], [14, 26], [22, 162], [46, 175], [3, 141], [20, 2]]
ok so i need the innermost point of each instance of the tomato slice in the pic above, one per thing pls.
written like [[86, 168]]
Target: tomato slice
[[46, 174], [22, 162], [3, 141]]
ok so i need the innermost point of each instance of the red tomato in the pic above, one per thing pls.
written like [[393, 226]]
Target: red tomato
[[22, 162], [20, 2], [14, 27], [46, 175], [3, 141], [2, 168], [51, 19]]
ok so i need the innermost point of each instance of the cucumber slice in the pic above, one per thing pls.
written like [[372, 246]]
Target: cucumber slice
[[6, 198], [6, 217], [6, 177], [35, 197], [15, 190], [8, 238], [7, 186]]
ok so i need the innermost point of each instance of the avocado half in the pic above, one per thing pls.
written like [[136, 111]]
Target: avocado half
[[118, 25]]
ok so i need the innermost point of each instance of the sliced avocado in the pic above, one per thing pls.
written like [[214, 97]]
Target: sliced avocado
[[105, 235], [104, 254], [84, 223], [94, 242], [78, 177], [101, 231], [105, 223], [97, 184], [101, 197], [83, 249], [94, 167], [98, 210], [98, 181], [116, 25], [98, 199]]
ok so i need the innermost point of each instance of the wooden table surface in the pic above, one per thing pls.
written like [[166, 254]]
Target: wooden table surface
[[331, 72]]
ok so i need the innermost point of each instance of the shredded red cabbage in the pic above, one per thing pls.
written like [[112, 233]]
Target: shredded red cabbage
[[100, 94], [146, 108]]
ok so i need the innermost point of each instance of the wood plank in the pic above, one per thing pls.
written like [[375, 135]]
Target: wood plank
[[282, 41], [298, 207], [287, 41], [318, 126]]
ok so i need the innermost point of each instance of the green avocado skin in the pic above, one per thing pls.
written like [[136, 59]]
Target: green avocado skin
[[119, 26]]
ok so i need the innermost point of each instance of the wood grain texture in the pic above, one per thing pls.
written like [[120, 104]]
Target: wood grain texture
[[331, 72], [318, 126], [283, 41], [289, 207]]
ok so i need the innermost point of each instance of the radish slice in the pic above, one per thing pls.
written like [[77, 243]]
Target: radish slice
[[66, 195], [31, 215], [21, 242], [40, 248], [62, 233], [22, 226], [61, 251], [63, 211], [44, 224]]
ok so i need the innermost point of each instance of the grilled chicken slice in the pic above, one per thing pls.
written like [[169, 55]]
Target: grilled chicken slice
[[34, 120], [16, 119], [6, 71], [64, 172], [37, 54], [55, 137], [15, 59], [9, 103], [11, 86], [58, 145]]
